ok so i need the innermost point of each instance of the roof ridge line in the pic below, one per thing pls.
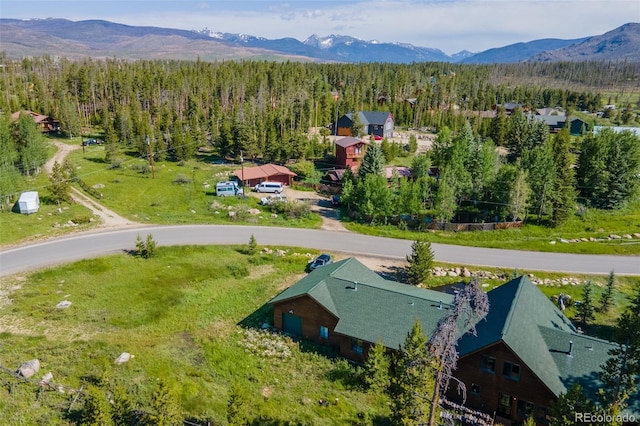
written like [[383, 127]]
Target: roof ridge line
[[393, 291], [507, 321]]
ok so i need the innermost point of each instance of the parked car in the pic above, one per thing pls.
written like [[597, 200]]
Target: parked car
[[335, 201], [92, 142], [322, 260], [274, 187], [228, 189]]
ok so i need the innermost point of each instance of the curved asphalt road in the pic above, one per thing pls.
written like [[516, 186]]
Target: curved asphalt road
[[96, 244]]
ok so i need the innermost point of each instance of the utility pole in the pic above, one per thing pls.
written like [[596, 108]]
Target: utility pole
[[242, 171], [153, 171]]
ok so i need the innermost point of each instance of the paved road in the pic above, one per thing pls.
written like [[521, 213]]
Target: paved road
[[94, 244]]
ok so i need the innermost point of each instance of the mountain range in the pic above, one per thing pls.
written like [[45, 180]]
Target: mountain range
[[103, 39]]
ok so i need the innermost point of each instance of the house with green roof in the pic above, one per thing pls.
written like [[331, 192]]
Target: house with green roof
[[350, 307], [525, 353]]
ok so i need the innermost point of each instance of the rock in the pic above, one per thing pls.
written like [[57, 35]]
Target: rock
[[124, 357], [627, 236], [98, 186], [552, 242], [466, 273], [232, 214], [254, 211], [592, 239], [452, 274], [29, 368], [562, 240], [584, 240], [636, 235], [46, 379], [615, 237], [193, 211], [63, 305], [274, 216]]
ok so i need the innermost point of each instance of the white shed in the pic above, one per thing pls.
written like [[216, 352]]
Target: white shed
[[29, 202]]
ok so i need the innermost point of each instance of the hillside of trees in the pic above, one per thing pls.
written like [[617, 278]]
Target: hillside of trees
[[265, 110]]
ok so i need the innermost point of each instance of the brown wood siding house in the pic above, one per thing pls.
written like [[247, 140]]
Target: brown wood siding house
[[45, 123], [349, 152], [524, 355], [251, 176]]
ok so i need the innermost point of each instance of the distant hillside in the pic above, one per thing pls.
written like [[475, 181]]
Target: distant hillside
[[623, 43], [518, 52], [103, 39]]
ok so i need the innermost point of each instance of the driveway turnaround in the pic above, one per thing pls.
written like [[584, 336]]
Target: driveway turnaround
[[95, 244]]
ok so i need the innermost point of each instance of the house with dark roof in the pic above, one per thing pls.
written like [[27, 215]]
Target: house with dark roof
[[349, 152], [252, 176], [45, 123], [525, 354], [377, 124], [577, 126], [349, 307]]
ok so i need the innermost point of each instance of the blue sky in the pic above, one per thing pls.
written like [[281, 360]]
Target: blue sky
[[448, 25]]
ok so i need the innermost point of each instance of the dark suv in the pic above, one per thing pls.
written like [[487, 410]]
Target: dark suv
[[322, 260]]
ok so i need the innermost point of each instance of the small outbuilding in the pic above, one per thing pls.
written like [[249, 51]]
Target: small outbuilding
[[252, 176], [29, 202]]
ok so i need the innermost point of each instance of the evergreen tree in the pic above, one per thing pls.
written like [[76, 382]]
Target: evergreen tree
[[606, 298], [586, 311], [372, 161], [420, 262], [518, 195], [445, 198], [165, 408], [376, 367], [563, 197], [30, 145], [411, 380], [499, 126], [518, 134], [420, 166], [97, 410], [123, 410], [253, 245], [413, 144], [357, 128], [238, 407], [59, 184], [564, 409], [619, 374]]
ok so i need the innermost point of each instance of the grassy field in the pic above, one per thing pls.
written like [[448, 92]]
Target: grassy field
[[191, 316], [187, 316], [595, 223]]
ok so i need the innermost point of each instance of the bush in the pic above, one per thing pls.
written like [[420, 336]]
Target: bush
[[291, 209], [181, 180]]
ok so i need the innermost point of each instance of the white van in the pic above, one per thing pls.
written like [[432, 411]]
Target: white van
[[274, 187], [228, 189]]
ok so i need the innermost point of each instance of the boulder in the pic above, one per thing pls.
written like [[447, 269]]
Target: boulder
[[123, 357], [29, 368]]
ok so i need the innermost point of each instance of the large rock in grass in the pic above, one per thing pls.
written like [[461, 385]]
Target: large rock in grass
[[29, 368]]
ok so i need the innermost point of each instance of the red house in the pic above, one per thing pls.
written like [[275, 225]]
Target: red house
[[349, 152], [251, 176], [45, 123]]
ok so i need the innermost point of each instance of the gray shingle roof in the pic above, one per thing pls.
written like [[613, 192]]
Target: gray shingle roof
[[370, 117]]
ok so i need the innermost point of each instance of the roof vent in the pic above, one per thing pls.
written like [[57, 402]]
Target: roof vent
[[355, 286], [440, 305], [570, 348]]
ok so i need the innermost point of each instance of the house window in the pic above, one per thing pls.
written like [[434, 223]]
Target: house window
[[525, 409], [356, 346], [475, 389], [324, 332], [357, 150], [504, 405], [488, 363], [511, 371]]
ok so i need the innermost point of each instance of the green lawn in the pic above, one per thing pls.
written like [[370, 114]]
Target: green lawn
[[595, 223], [187, 316]]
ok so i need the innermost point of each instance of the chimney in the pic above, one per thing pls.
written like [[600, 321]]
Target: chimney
[[570, 348]]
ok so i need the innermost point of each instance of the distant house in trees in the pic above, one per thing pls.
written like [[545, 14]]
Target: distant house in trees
[[617, 129], [251, 176], [378, 124], [509, 107], [349, 152], [525, 354], [577, 126], [45, 123]]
